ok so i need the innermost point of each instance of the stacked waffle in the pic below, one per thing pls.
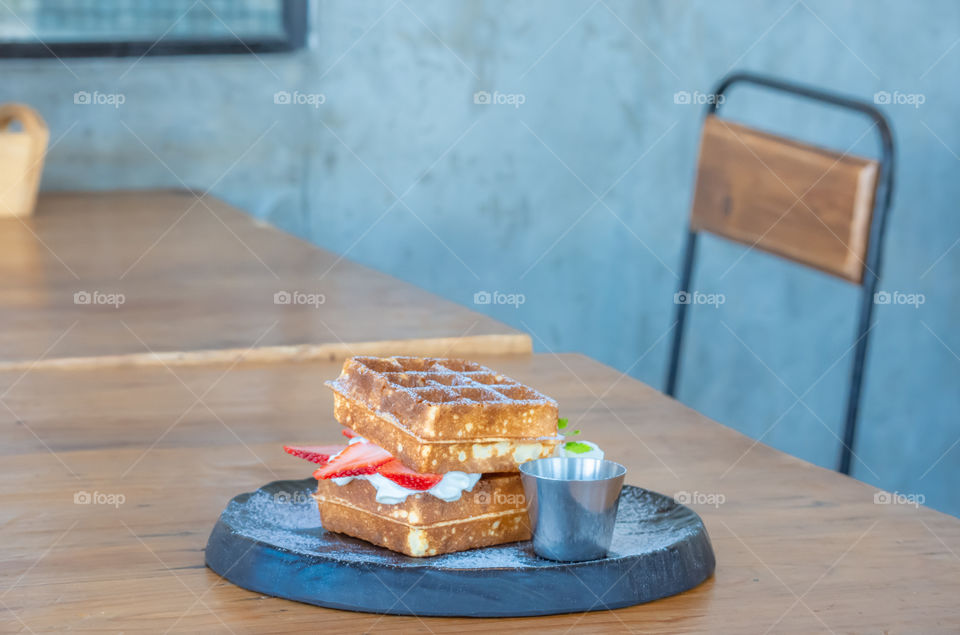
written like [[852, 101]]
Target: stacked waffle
[[432, 465]]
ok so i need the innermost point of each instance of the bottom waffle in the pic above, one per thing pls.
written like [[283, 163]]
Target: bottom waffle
[[494, 512], [425, 540]]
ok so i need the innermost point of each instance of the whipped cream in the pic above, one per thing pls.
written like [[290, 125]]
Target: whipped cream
[[593, 453], [450, 488]]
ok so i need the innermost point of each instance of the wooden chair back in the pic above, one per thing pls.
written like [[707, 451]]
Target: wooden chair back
[[788, 198]]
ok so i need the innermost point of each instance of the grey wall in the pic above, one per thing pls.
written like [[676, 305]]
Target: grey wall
[[496, 197]]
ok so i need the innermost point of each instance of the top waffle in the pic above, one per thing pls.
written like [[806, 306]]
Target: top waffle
[[445, 399]]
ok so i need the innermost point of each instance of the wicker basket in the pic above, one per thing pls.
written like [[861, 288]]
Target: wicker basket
[[21, 159]]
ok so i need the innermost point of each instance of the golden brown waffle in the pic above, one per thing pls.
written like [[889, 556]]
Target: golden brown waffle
[[445, 399], [494, 512], [476, 456]]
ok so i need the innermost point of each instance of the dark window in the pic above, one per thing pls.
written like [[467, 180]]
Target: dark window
[[119, 28]]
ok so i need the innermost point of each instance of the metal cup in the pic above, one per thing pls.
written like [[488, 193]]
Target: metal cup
[[572, 503]]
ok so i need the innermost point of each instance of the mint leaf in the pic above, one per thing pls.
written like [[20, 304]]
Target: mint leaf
[[561, 423], [577, 447], [575, 432]]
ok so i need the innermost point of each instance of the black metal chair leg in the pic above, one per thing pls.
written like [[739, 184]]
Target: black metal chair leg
[[681, 313], [871, 276], [856, 375]]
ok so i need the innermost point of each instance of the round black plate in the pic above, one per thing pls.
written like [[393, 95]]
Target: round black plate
[[271, 541]]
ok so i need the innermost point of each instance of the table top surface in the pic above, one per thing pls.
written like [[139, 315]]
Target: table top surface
[[129, 276], [799, 548]]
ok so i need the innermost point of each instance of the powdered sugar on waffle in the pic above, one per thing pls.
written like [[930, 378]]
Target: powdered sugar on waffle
[[446, 399], [450, 381]]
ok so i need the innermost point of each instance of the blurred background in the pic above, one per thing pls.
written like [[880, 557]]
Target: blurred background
[[546, 151]]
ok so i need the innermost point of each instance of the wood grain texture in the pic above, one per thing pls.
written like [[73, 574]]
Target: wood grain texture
[[198, 281], [788, 198], [799, 549]]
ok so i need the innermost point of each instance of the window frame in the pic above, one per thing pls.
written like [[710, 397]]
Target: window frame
[[294, 37]]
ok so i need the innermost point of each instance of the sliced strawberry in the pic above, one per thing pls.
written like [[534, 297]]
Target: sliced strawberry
[[313, 453], [350, 434], [357, 459], [405, 477]]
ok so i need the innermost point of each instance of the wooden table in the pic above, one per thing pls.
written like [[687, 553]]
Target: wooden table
[[799, 549], [198, 280]]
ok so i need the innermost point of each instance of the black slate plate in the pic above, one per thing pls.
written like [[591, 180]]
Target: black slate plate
[[271, 541]]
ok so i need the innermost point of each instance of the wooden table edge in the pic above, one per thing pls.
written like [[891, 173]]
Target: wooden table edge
[[493, 344]]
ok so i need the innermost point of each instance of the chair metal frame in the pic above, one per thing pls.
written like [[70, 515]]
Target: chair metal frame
[[881, 208]]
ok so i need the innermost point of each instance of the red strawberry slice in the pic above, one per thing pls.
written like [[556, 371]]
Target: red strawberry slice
[[357, 459], [405, 477], [350, 434], [313, 453]]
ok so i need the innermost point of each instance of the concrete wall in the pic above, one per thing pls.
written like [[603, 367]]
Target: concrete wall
[[504, 197]]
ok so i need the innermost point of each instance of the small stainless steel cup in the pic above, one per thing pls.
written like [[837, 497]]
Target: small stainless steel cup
[[572, 504]]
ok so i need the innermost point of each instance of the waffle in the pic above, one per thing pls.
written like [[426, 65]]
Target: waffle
[[435, 416], [477, 456], [443, 399], [494, 512]]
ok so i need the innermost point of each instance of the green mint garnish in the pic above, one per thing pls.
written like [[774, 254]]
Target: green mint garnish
[[575, 432], [561, 423], [577, 447]]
